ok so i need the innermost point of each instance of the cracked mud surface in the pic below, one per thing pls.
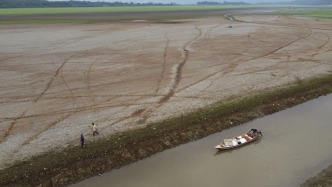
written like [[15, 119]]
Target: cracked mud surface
[[58, 79]]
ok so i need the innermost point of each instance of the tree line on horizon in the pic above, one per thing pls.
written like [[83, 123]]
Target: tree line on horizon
[[295, 2], [78, 3], [312, 2], [71, 3], [221, 3]]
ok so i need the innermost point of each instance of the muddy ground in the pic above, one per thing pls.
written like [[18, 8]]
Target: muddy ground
[[58, 79], [323, 179]]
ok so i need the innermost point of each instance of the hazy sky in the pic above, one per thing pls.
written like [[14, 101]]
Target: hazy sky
[[185, 1]]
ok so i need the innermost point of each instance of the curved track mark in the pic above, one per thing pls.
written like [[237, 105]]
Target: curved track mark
[[163, 65], [72, 96], [54, 76], [232, 66], [178, 73], [90, 91], [45, 129], [11, 126], [37, 99]]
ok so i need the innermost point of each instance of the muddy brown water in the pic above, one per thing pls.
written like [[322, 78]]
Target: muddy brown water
[[296, 145]]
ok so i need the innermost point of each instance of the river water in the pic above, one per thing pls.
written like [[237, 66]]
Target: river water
[[296, 145]]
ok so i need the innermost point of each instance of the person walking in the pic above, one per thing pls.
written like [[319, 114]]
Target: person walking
[[82, 141], [94, 130]]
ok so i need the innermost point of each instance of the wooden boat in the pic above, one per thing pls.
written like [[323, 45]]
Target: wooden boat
[[238, 141]]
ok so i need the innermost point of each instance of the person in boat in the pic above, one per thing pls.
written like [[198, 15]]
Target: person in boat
[[238, 140], [253, 132]]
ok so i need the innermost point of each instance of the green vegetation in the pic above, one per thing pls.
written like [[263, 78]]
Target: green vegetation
[[80, 15], [60, 168], [48, 21], [71, 3], [106, 14], [312, 2], [76, 3], [36, 11], [317, 13]]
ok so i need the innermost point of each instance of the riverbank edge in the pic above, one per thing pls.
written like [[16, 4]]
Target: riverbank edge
[[73, 164], [322, 179]]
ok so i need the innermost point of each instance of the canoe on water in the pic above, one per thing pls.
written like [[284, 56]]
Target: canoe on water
[[238, 141]]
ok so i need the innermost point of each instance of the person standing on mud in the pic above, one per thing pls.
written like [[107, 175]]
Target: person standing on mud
[[82, 141], [94, 130]]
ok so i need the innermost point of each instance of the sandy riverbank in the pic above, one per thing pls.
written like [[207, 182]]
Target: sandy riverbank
[[323, 179], [57, 79]]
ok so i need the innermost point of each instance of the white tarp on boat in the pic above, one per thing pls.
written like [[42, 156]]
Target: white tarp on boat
[[234, 141], [228, 142]]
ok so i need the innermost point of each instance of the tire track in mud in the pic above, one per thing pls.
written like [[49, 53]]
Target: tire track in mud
[[207, 36], [320, 48], [184, 48], [26, 142], [72, 96], [146, 112], [316, 50], [66, 115], [175, 80], [13, 123], [138, 99], [281, 24], [47, 51], [83, 96], [36, 99], [80, 109], [11, 126], [231, 67], [288, 56], [312, 51], [58, 71], [90, 92], [8, 58], [45, 129], [97, 106], [161, 78], [56, 75], [178, 73]]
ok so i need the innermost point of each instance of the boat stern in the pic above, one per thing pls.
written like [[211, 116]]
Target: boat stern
[[218, 147]]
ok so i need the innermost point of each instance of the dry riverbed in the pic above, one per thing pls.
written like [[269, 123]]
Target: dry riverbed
[[58, 79]]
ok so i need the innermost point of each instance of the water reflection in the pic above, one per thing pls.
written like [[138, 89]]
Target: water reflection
[[295, 145]]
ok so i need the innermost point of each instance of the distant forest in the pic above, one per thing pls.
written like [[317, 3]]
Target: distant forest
[[312, 2], [220, 3], [77, 3], [295, 2], [71, 3]]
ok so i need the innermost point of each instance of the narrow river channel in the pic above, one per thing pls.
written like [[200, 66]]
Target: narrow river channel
[[296, 145]]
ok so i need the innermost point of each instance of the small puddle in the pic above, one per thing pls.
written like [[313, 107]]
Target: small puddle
[[295, 146]]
